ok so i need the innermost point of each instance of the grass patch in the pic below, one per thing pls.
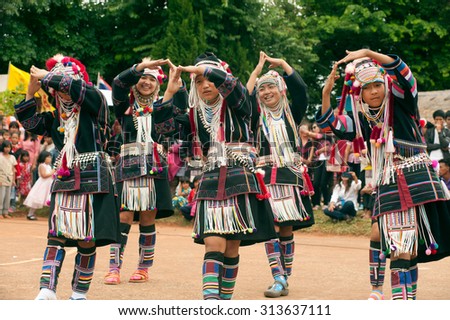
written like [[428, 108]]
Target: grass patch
[[359, 226]]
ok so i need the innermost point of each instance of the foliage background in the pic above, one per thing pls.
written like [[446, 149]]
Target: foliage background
[[109, 36]]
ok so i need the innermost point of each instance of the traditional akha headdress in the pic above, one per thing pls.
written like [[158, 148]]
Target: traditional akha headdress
[[59, 64], [68, 109], [272, 77], [211, 60], [157, 73], [359, 74]]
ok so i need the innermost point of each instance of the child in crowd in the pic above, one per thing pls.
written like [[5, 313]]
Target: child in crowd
[[6, 135], [7, 177], [16, 143], [24, 177], [39, 194], [188, 210], [181, 193]]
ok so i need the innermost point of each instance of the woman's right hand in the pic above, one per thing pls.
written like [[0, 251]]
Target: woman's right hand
[[331, 79]]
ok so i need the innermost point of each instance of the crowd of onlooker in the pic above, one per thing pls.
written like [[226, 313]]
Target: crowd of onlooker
[[26, 171]]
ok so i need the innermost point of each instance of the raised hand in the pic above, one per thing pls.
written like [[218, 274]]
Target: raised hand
[[198, 70], [38, 73], [331, 79], [150, 64], [175, 81]]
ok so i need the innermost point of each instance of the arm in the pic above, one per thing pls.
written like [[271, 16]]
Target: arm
[[299, 94], [327, 88], [334, 197], [255, 73], [363, 53], [86, 96], [43, 172]]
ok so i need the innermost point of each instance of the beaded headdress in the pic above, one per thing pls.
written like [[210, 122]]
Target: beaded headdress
[[59, 64], [157, 73], [272, 77]]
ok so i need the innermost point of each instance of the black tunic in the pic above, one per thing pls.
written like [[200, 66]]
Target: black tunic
[[91, 137], [121, 91], [298, 93]]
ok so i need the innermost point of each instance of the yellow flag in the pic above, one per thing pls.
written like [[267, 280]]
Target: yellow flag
[[18, 82], [46, 105], [17, 79]]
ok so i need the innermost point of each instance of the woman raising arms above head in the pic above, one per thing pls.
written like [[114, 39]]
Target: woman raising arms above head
[[143, 184], [286, 177], [228, 212], [84, 210], [408, 223]]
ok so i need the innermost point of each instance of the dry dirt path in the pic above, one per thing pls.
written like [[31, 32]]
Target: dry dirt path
[[325, 268]]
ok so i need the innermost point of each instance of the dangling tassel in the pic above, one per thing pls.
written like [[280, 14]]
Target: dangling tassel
[[390, 143], [157, 159], [308, 186], [63, 171], [259, 174], [221, 154], [362, 146], [374, 134]]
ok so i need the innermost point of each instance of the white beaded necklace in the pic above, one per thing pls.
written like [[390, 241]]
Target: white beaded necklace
[[274, 128], [69, 119]]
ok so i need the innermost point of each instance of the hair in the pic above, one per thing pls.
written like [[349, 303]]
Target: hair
[[196, 179], [42, 156], [5, 143], [184, 179], [15, 133], [31, 135], [445, 161], [439, 113], [447, 114], [14, 124], [23, 153]]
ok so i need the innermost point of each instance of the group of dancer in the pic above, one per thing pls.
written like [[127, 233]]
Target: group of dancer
[[254, 185]]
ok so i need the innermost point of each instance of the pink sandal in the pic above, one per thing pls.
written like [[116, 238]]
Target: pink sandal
[[139, 276], [112, 277]]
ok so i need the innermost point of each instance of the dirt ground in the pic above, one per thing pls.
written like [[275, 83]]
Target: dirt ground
[[325, 268]]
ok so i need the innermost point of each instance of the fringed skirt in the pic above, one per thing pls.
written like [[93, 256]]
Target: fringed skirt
[[289, 207], [85, 217], [146, 193], [241, 217], [422, 230]]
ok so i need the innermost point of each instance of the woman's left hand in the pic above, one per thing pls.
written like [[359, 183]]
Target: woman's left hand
[[175, 81], [38, 73]]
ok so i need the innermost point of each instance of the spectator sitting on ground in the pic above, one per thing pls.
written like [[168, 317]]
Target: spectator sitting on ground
[[344, 200]]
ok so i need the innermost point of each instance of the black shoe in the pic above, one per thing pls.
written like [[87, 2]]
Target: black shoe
[[33, 217]]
